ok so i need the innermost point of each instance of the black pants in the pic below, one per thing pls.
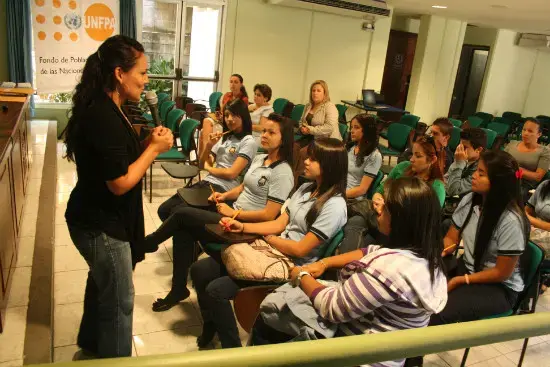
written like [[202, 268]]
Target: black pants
[[215, 288], [185, 224]]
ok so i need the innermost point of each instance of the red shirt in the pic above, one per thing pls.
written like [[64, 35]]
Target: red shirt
[[228, 97]]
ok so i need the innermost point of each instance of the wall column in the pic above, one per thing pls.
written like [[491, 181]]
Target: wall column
[[376, 59], [435, 65]]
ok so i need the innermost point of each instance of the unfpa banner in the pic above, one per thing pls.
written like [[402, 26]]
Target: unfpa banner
[[66, 32]]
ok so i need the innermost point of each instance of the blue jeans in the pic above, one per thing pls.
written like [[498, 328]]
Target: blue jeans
[[106, 326]]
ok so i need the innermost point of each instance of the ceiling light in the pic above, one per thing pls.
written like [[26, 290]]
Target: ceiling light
[[439, 6]]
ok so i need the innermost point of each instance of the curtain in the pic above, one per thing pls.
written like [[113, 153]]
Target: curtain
[[18, 13], [128, 18]]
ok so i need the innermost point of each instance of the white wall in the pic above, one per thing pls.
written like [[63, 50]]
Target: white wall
[[537, 101], [288, 48], [508, 75], [480, 36], [405, 24]]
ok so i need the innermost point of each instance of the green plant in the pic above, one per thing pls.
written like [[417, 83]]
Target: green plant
[[159, 67]]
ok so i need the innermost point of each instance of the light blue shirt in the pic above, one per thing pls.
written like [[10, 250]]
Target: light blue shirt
[[539, 204], [370, 167], [331, 218], [226, 153], [508, 239]]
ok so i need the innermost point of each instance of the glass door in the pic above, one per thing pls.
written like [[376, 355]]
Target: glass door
[[182, 43]]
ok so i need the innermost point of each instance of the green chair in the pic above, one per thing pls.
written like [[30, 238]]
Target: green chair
[[279, 105], [374, 184], [531, 263], [456, 122], [161, 97], [474, 121], [500, 128], [187, 169], [491, 136], [172, 120], [486, 117], [455, 138], [166, 107], [410, 120], [214, 101], [297, 113], [511, 116], [341, 112], [398, 134], [343, 131]]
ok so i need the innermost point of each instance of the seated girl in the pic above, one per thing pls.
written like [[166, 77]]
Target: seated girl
[[315, 213], [364, 159], [538, 213], [424, 164], [380, 289], [225, 156], [267, 184], [260, 110]]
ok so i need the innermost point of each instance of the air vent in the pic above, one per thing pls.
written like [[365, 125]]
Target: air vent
[[382, 10]]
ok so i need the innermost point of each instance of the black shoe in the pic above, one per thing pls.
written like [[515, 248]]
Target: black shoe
[[208, 333], [149, 246], [172, 299]]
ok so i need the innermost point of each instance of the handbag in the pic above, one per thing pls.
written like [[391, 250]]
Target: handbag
[[257, 261]]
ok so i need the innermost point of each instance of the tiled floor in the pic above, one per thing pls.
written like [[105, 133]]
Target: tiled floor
[[13, 337], [173, 331]]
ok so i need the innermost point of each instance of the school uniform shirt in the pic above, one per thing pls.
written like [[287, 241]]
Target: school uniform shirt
[[226, 153], [370, 167], [508, 239], [265, 183], [399, 171], [539, 204], [331, 218], [106, 145], [256, 117]]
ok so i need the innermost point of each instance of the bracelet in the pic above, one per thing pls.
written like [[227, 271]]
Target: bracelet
[[242, 229], [467, 279], [324, 264]]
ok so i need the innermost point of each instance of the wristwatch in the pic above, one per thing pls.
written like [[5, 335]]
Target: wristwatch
[[298, 279]]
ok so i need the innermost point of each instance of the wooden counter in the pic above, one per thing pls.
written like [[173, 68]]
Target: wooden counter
[[14, 173]]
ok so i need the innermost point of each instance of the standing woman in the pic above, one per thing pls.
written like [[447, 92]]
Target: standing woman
[[105, 210], [319, 120], [237, 91]]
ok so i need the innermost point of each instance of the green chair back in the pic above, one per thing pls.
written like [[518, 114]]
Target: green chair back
[[343, 131], [409, 120], [166, 107], [374, 184], [456, 122], [297, 112], [491, 136], [543, 117], [475, 121], [162, 97], [341, 112], [173, 118], [455, 138], [511, 116], [187, 135], [500, 128], [331, 247], [486, 117], [398, 135], [279, 105], [214, 100]]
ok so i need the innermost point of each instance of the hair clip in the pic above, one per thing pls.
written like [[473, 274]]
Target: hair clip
[[519, 174]]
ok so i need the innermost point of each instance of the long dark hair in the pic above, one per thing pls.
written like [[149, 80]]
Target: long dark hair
[[333, 160], [415, 219], [427, 144], [98, 78], [504, 194], [287, 136], [243, 89], [369, 142], [238, 108]]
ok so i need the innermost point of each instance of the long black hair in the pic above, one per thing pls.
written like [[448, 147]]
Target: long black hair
[[369, 142], [415, 219], [333, 160], [243, 89], [238, 108], [97, 78], [287, 136], [504, 195]]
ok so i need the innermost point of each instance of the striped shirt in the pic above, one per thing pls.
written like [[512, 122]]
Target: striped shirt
[[386, 290]]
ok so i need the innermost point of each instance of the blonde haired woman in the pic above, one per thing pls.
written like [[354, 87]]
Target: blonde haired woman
[[319, 120]]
